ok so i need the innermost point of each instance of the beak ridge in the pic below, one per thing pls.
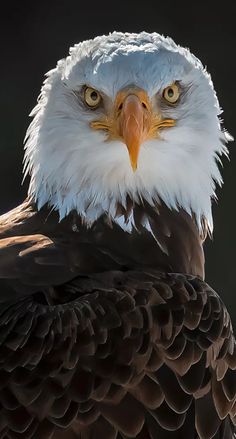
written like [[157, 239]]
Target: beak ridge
[[131, 126]]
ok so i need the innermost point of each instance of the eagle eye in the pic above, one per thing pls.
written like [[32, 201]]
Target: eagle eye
[[171, 93], [92, 97]]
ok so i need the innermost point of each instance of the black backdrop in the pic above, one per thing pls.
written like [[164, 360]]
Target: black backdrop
[[34, 35]]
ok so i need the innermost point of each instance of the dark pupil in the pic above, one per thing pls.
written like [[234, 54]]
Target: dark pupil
[[170, 92], [94, 95]]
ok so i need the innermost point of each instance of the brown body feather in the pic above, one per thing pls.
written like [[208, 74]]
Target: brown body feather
[[100, 338]]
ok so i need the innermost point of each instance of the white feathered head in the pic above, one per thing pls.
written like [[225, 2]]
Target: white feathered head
[[126, 114]]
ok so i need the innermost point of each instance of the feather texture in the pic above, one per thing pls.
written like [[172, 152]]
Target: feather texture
[[89, 366]]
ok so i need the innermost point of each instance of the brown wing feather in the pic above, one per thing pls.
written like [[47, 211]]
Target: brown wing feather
[[112, 355], [171, 243], [129, 356]]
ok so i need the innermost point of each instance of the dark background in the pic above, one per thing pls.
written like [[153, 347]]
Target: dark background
[[34, 35]]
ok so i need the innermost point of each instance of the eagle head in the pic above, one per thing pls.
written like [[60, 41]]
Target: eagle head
[[126, 115]]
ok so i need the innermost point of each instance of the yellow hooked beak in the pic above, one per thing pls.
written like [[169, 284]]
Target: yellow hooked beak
[[133, 121]]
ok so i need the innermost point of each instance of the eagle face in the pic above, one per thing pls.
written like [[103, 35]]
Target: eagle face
[[126, 115]]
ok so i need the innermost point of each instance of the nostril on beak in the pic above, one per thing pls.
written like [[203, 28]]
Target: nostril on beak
[[144, 105]]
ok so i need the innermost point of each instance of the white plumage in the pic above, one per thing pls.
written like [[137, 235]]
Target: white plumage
[[73, 166]]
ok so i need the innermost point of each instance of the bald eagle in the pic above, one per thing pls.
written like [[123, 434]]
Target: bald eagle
[[107, 327]]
